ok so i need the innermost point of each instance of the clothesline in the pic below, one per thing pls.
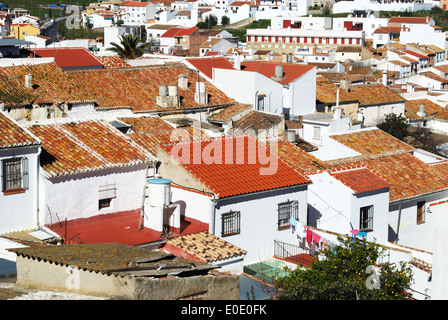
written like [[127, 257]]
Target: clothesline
[[313, 239]]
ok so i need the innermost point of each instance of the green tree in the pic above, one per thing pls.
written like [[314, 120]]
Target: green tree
[[130, 47], [225, 20], [344, 273], [395, 126]]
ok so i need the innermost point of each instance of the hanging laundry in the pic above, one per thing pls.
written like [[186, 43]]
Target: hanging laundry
[[309, 236], [293, 222], [316, 238]]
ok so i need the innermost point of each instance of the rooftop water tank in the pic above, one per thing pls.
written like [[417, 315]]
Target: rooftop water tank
[[159, 192]]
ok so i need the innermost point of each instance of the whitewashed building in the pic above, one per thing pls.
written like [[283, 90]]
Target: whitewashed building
[[89, 177], [247, 214], [270, 87], [19, 161]]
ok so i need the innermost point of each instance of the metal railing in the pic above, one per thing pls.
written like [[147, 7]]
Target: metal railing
[[293, 253]]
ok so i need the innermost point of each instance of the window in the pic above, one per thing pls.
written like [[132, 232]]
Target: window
[[366, 218], [230, 223], [286, 210], [421, 212], [106, 193], [260, 103], [15, 174]]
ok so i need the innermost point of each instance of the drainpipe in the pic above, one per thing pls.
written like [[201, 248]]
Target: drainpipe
[[37, 187], [399, 220], [211, 226]]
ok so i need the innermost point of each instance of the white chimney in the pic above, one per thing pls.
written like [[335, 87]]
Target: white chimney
[[237, 61], [384, 77], [337, 109], [421, 110], [183, 81], [278, 73], [200, 96], [28, 81]]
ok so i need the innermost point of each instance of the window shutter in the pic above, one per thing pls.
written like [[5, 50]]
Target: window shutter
[[25, 174]]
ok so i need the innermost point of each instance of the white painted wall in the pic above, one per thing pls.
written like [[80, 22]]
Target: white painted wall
[[403, 219], [19, 211], [369, 23], [334, 207], [76, 196], [423, 34], [375, 113], [349, 6], [259, 221]]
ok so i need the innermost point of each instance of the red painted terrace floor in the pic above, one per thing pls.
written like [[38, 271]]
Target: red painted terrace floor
[[122, 227]]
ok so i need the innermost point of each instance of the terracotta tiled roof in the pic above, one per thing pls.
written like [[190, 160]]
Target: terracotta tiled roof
[[78, 147], [205, 65], [138, 88], [415, 54], [412, 107], [360, 180], [51, 84], [185, 31], [256, 120], [147, 124], [70, 57], [374, 94], [326, 92], [227, 113], [297, 158], [111, 62], [171, 32], [290, 71], [408, 176], [240, 172], [150, 132], [204, 246], [372, 142], [13, 135], [434, 76], [388, 30], [409, 20], [134, 3]]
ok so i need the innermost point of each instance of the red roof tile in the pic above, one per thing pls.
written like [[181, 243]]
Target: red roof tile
[[70, 57], [138, 88], [243, 174], [290, 71], [408, 176], [360, 180], [171, 32], [77, 147], [13, 135]]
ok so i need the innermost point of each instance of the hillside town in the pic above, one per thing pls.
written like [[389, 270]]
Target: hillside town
[[167, 157]]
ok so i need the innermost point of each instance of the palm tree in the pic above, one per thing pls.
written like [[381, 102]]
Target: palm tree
[[131, 47]]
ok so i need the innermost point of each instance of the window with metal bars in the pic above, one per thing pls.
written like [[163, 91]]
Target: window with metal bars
[[15, 174], [366, 218], [286, 210], [230, 222]]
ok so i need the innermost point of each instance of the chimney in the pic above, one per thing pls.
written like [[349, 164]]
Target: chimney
[[29, 81], [237, 61], [421, 110], [183, 81], [278, 73], [337, 109], [201, 97], [385, 78], [168, 96]]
